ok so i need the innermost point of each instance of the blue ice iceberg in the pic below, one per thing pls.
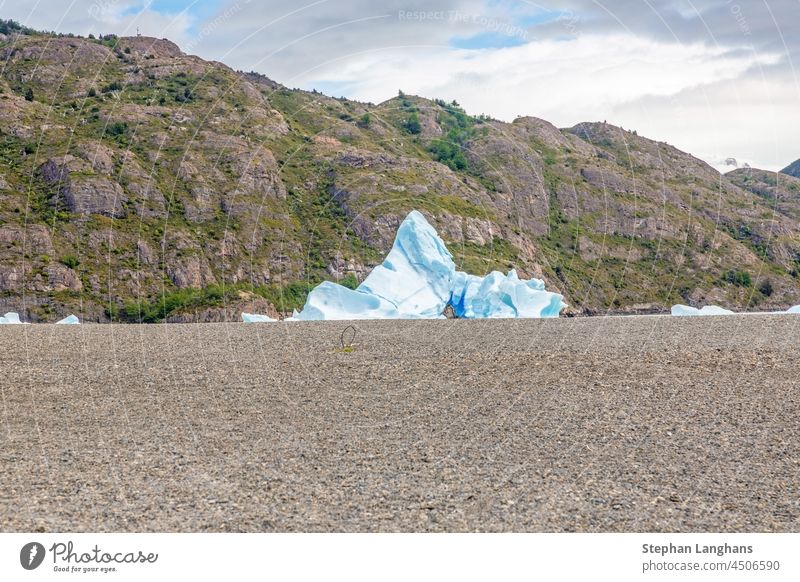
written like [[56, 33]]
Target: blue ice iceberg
[[417, 274], [10, 317], [418, 280], [255, 318], [707, 310], [498, 295], [331, 301], [69, 320]]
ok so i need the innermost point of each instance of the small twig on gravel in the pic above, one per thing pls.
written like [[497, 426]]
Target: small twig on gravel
[[347, 339]]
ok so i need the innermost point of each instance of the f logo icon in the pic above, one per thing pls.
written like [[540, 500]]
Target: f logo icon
[[31, 555]]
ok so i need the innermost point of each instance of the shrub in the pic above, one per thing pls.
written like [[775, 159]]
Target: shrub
[[740, 278], [412, 124], [117, 128], [459, 130], [114, 86], [9, 26], [766, 288], [92, 92], [184, 97], [350, 281], [70, 261], [448, 153], [28, 94]]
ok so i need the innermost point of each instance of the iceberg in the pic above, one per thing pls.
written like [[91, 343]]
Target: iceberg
[[10, 317], [329, 301], [497, 295], [256, 318], [69, 320], [707, 310], [715, 310], [418, 280], [417, 274]]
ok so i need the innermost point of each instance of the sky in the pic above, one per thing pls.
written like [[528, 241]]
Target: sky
[[715, 78]]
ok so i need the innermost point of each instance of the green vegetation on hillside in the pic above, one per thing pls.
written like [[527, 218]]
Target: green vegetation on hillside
[[176, 301]]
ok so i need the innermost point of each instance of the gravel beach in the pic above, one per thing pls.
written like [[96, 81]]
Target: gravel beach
[[650, 423]]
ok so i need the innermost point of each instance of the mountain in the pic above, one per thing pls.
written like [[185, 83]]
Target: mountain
[[140, 183], [792, 169]]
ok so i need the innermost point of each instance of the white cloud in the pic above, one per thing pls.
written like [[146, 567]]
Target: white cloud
[[689, 95], [558, 80]]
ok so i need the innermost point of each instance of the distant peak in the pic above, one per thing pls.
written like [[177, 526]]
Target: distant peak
[[792, 169]]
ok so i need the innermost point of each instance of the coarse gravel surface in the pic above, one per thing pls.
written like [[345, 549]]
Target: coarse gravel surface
[[652, 423]]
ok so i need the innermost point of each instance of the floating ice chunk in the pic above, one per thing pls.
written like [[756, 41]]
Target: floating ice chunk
[[417, 274], [10, 317], [418, 279], [475, 296], [332, 301], [69, 320], [256, 318], [707, 310], [497, 295]]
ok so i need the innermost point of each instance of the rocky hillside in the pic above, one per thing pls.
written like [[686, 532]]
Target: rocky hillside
[[139, 183], [792, 169]]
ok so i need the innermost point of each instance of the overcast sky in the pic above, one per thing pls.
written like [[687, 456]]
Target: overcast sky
[[712, 77]]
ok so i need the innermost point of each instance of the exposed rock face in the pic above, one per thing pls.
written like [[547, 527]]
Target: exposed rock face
[[95, 196], [607, 181], [54, 173], [190, 271], [62, 278], [379, 232], [449, 226], [99, 157], [144, 254], [479, 231], [257, 174], [145, 46], [341, 267], [34, 237], [354, 158], [10, 278], [517, 172], [83, 194]]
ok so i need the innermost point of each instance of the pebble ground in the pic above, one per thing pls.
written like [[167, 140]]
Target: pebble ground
[[590, 424]]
